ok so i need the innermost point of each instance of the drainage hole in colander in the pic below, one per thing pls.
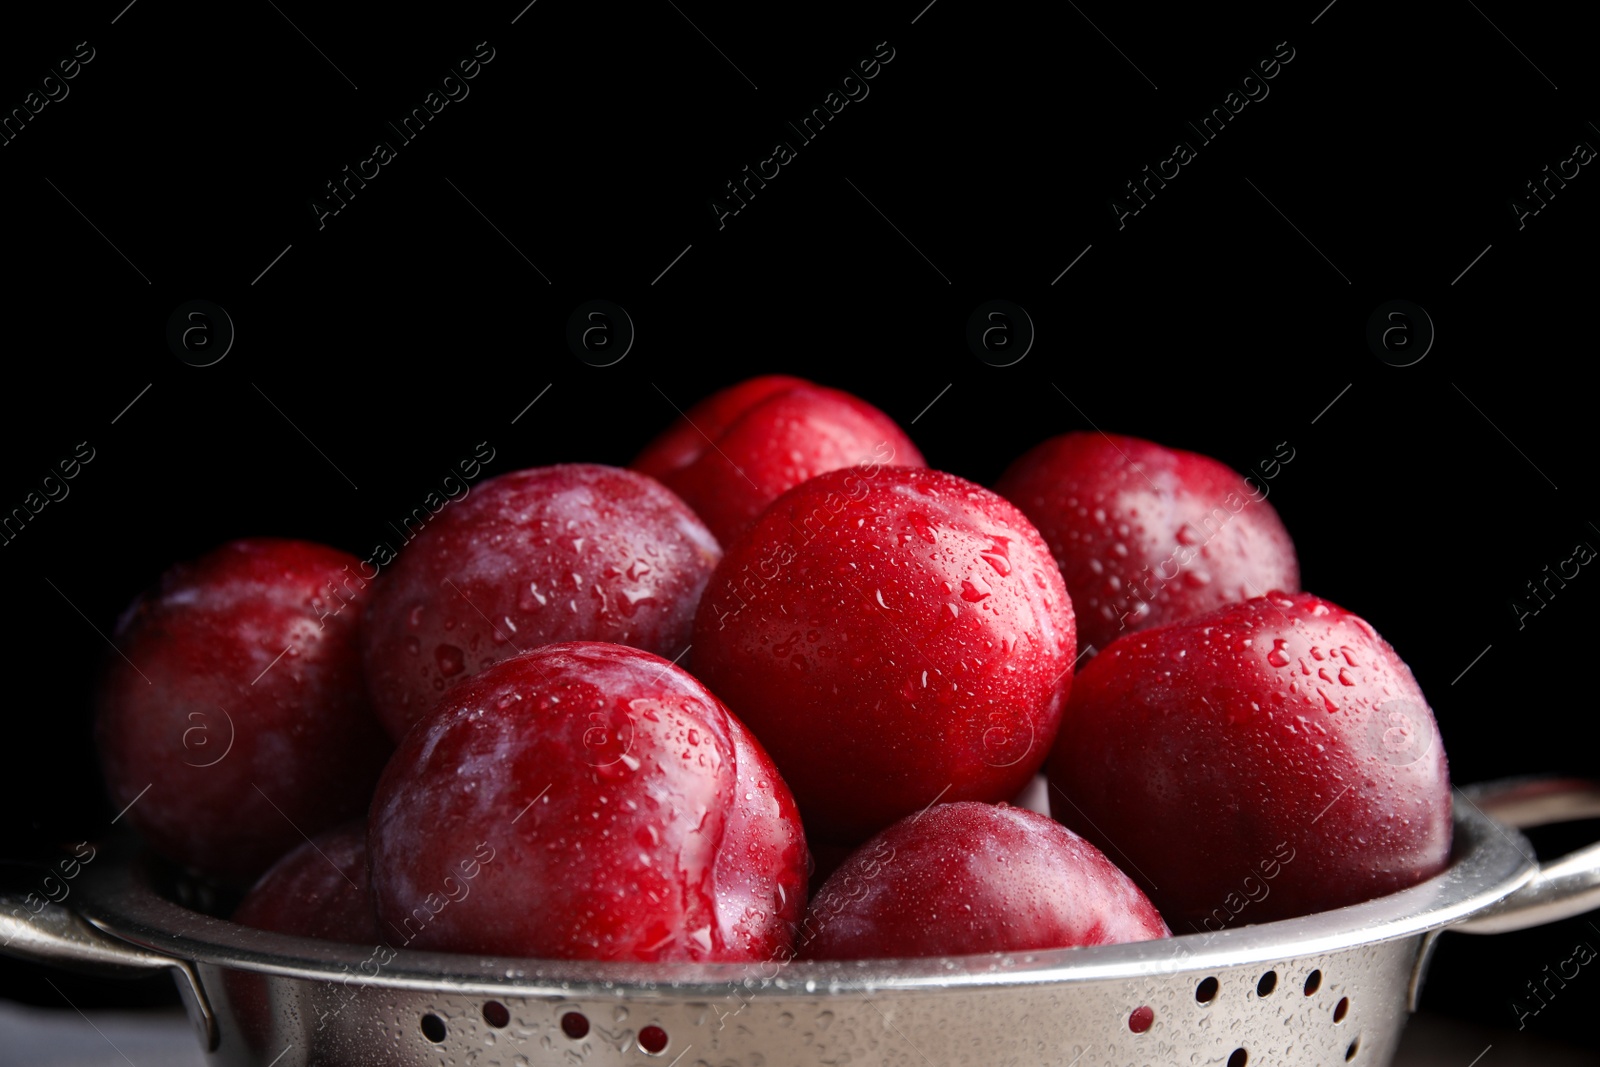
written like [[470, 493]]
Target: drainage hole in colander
[[1239, 1058], [1206, 991], [1341, 1009], [1313, 982], [652, 1040], [496, 1014], [575, 1024], [433, 1028], [1141, 1019], [1268, 983], [1355, 1046]]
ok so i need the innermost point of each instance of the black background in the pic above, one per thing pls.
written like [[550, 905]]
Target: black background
[[382, 347]]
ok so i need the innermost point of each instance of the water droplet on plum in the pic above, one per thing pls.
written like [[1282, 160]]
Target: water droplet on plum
[[450, 659]]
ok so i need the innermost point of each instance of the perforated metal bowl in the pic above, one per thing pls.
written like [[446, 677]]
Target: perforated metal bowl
[[1330, 988]]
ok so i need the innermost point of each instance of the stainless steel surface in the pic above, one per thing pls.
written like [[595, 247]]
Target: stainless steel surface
[[61, 1037], [289, 1001]]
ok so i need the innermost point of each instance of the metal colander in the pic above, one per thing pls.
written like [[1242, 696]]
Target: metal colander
[[1327, 989]]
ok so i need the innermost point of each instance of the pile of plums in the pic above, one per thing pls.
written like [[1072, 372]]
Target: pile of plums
[[638, 714]]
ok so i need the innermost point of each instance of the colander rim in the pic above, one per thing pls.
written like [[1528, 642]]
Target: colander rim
[[1489, 861]]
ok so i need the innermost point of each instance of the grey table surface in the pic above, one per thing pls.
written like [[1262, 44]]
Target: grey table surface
[[37, 1037]]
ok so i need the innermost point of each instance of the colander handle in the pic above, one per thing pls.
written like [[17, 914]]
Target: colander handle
[[1561, 889], [39, 930], [60, 937]]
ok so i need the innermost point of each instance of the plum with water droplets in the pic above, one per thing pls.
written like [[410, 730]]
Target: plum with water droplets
[[967, 877], [1265, 760], [573, 552], [236, 716], [683, 442], [586, 801], [319, 889], [1146, 535], [733, 453], [894, 636]]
